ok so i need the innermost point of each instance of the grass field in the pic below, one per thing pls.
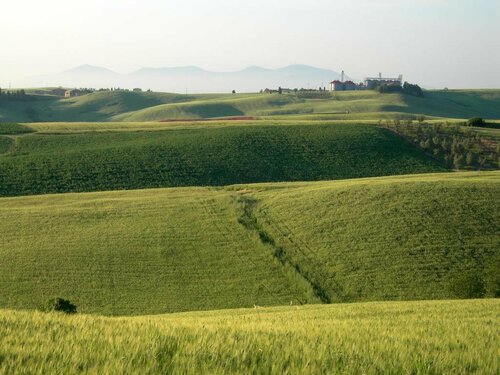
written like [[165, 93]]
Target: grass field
[[66, 157], [440, 337], [138, 252], [240, 213], [153, 251], [390, 238], [132, 106]]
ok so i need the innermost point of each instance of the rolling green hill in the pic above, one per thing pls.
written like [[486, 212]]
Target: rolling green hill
[[77, 160], [354, 239], [146, 106], [139, 252], [343, 105], [98, 106], [153, 251], [439, 337]]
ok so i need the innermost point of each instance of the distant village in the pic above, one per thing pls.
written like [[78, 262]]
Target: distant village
[[380, 83], [78, 92], [368, 83]]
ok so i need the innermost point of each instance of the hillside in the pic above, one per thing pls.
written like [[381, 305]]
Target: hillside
[[98, 106], [155, 251], [339, 105], [77, 160], [437, 337], [145, 106], [138, 253], [390, 238]]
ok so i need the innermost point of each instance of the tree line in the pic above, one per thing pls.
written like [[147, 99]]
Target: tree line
[[407, 88], [456, 146], [18, 95]]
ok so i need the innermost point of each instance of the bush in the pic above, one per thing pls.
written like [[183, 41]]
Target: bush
[[413, 89], [59, 305], [407, 88], [387, 88], [476, 121]]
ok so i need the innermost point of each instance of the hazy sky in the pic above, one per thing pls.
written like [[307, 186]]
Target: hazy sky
[[454, 43]]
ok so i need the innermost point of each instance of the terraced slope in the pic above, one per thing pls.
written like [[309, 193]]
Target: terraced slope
[[93, 161], [154, 251], [438, 337]]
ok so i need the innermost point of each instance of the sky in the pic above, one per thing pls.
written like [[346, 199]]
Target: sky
[[436, 43]]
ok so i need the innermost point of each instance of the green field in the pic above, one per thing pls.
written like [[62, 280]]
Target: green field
[[440, 337], [73, 158], [153, 251], [390, 238], [252, 219], [133, 106]]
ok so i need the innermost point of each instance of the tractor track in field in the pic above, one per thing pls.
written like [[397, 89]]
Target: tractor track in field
[[225, 233], [249, 221], [309, 254]]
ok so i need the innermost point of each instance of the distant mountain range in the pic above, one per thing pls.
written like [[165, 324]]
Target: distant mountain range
[[191, 79]]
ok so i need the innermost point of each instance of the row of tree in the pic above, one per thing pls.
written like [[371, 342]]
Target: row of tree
[[457, 147], [281, 90], [13, 95], [407, 88]]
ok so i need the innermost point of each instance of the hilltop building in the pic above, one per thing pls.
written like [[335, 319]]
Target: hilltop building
[[371, 82], [72, 93], [343, 86], [77, 92]]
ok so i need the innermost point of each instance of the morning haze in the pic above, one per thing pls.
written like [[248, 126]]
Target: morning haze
[[249, 187], [438, 43]]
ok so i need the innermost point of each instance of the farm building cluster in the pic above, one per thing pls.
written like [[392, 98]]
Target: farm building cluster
[[368, 84]]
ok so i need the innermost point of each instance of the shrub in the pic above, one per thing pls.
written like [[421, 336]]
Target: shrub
[[476, 121], [407, 88], [389, 88], [59, 305], [413, 89]]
